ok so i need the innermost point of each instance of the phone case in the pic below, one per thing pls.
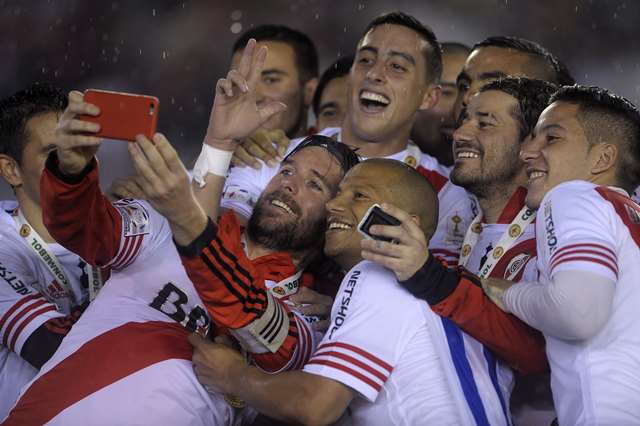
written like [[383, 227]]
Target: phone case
[[376, 216], [123, 116]]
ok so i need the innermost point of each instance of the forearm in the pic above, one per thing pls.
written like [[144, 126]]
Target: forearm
[[458, 296], [187, 224], [210, 173], [295, 396], [574, 306], [77, 214]]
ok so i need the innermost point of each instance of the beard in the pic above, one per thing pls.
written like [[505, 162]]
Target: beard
[[296, 234], [492, 175]]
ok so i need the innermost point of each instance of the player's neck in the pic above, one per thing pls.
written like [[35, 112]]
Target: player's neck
[[300, 259], [32, 212], [377, 149], [494, 201]]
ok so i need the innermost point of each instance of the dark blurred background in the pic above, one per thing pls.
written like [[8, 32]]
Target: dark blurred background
[[176, 50]]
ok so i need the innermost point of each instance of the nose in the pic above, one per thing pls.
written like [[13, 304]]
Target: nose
[[376, 72], [336, 204], [531, 148], [463, 133], [290, 185]]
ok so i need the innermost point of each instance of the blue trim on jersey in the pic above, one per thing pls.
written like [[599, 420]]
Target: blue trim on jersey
[[492, 364], [465, 374]]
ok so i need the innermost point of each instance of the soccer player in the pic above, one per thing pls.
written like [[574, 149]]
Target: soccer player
[[395, 73], [150, 305], [330, 99], [503, 56], [386, 355], [290, 76], [582, 162], [433, 128], [43, 286]]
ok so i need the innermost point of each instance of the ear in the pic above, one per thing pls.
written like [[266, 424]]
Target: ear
[[10, 171], [605, 158], [415, 219], [309, 89], [431, 96]]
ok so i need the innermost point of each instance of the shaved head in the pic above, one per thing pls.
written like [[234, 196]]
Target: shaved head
[[407, 189]]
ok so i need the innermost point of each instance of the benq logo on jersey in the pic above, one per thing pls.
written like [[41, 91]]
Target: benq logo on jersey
[[550, 230], [173, 302], [515, 265], [135, 219], [343, 310]]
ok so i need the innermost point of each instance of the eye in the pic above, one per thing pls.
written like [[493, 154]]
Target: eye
[[328, 113], [484, 124], [269, 80], [365, 61], [315, 185], [398, 67], [551, 139], [286, 172], [360, 196]]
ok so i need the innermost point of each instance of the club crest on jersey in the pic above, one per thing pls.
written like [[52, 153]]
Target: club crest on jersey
[[236, 193], [56, 291], [278, 291], [515, 265], [634, 215], [135, 219]]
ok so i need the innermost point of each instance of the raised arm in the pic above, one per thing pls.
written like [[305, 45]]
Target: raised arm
[[234, 116], [455, 294]]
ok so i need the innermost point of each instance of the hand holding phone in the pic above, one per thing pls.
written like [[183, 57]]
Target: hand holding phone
[[123, 116], [376, 216]]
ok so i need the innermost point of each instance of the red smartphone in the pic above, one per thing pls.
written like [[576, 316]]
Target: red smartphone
[[123, 116]]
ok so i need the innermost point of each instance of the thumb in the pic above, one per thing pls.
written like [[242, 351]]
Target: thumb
[[271, 109], [196, 340]]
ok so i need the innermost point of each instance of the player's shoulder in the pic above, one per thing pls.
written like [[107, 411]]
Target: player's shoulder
[[573, 198], [10, 240], [376, 284]]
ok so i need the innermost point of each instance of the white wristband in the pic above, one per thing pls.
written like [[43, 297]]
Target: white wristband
[[211, 160]]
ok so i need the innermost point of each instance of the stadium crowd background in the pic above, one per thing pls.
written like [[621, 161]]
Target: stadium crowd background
[[176, 50]]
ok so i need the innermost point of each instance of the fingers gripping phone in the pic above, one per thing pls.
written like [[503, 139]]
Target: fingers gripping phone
[[376, 216], [123, 116]]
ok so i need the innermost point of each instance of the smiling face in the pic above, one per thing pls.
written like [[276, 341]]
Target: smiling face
[[280, 81], [558, 151], [290, 213], [487, 143], [387, 83]]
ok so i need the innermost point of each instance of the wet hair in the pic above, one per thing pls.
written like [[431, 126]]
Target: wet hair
[[17, 109], [347, 158], [433, 54], [338, 69], [560, 72], [532, 96], [609, 118], [305, 51], [455, 47]]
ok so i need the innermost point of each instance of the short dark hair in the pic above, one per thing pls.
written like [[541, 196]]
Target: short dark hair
[[561, 74], [455, 47], [433, 54], [347, 158], [305, 51], [532, 96], [606, 117], [17, 109], [338, 69]]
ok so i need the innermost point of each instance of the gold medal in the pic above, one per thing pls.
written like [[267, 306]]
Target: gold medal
[[410, 160], [514, 230], [25, 230], [497, 252], [234, 401]]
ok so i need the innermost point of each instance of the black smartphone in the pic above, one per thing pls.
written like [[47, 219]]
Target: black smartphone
[[376, 216]]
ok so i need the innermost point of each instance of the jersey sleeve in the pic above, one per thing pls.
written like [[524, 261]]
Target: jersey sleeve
[[84, 221], [372, 320], [22, 309], [576, 232], [236, 297]]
